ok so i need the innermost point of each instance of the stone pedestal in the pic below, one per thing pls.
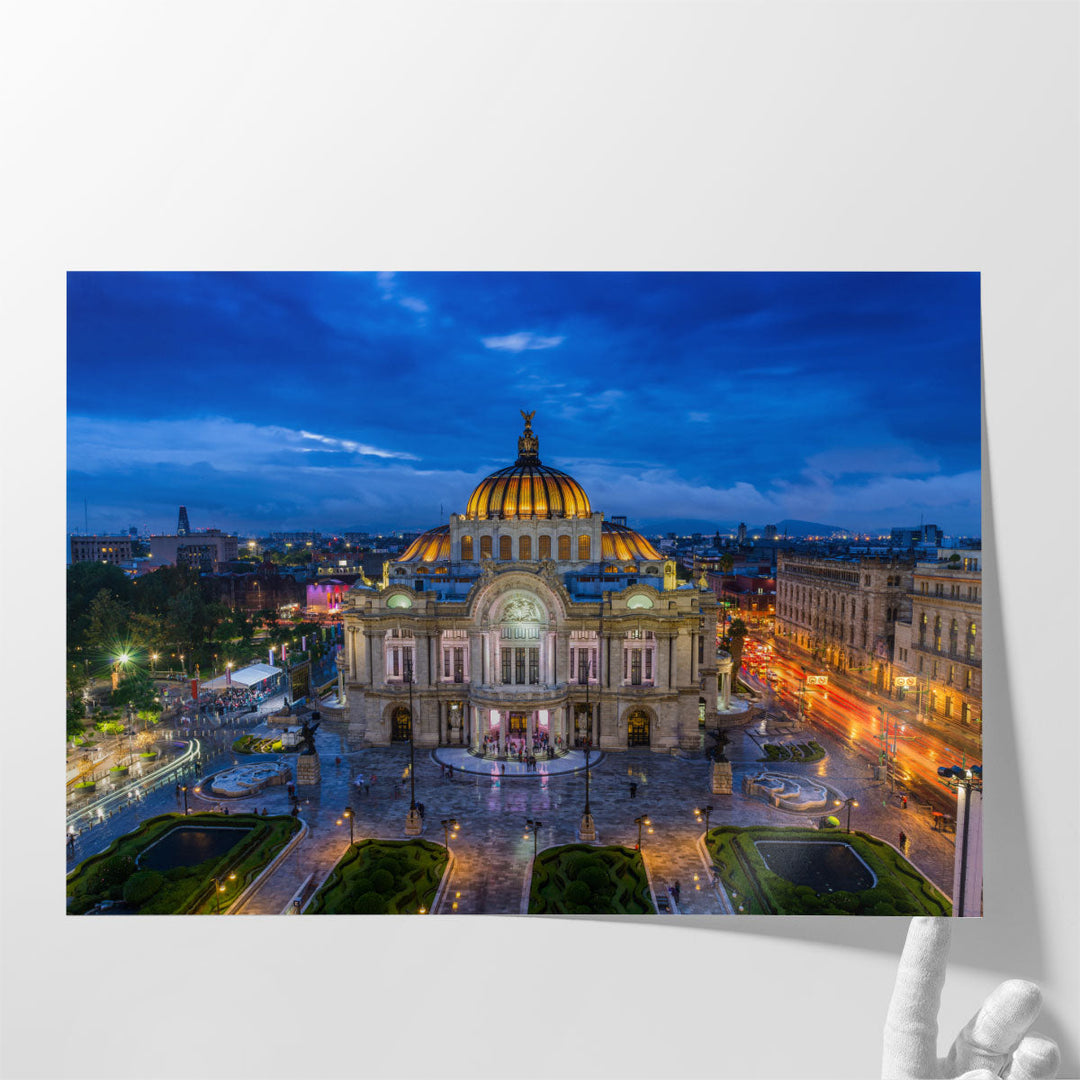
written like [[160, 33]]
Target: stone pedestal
[[414, 823], [588, 828], [308, 770], [721, 778]]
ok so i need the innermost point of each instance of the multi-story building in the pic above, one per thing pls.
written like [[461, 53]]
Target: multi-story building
[[203, 550], [940, 643], [750, 598], [844, 611], [115, 550], [529, 616]]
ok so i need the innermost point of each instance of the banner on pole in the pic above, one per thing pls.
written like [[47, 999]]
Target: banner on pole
[[194, 689]]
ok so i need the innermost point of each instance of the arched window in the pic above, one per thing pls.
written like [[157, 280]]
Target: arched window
[[506, 546], [937, 633], [545, 547], [973, 631], [466, 549], [564, 548], [485, 547], [953, 637], [524, 548], [583, 548]]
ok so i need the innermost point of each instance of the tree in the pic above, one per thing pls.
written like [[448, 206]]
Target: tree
[[727, 563], [108, 622], [736, 641], [135, 688]]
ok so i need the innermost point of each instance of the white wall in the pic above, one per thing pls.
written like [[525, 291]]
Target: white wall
[[634, 135]]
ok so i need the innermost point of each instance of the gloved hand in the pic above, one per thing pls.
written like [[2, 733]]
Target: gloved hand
[[994, 1043]]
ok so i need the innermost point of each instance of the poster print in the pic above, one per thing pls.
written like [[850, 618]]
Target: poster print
[[617, 593]]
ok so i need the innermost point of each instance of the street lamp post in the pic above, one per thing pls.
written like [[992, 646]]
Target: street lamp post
[[704, 812], [219, 888], [588, 825], [414, 823], [849, 802], [641, 822], [448, 824], [530, 823], [183, 788], [348, 812]]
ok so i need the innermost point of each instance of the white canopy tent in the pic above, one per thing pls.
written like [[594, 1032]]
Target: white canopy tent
[[252, 675]]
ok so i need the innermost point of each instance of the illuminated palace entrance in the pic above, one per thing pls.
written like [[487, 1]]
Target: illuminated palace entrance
[[637, 729], [400, 725], [518, 730]]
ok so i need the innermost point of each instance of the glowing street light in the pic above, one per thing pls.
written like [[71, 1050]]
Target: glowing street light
[[219, 889], [448, 824], [849, 803], [536, 826], [705, 811], [641, 822]]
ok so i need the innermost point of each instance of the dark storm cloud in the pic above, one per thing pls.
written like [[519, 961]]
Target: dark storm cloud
[[344, 399]]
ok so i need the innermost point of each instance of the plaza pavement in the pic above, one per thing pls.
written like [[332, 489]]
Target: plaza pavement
[[492, 853]]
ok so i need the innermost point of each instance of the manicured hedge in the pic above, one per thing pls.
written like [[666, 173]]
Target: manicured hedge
[[382, 877], [185, 890], [804, 752], [900, 888], [579, 879]]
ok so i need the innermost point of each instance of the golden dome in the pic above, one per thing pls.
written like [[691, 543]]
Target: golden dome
[[430, 546], [621, 544], [528, 488]]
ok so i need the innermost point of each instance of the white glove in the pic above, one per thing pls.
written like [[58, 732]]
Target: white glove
[[994, 1043]]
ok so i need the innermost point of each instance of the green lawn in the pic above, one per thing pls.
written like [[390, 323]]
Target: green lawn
[[382, 877], [757, 890], [184, 890], [579, 879]]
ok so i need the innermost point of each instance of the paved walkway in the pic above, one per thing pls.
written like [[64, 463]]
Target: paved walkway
[[492, 850]]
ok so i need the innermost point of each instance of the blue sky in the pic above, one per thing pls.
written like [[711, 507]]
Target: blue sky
[[294, 401]]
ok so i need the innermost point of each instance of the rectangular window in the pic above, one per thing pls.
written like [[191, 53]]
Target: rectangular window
[[573, 665], [446, 663], [459, 665], [648, 664], [635, 667], [534, 667], [504, 655], [519, 667]]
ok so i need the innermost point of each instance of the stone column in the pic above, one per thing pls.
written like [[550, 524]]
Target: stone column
[[504, 727], [530, 726]]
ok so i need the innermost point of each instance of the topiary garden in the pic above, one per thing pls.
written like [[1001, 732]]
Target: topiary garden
[[382, 877], [579, 879]]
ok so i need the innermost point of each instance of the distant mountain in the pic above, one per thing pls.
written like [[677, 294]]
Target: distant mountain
[[789, 527], [793, 528]]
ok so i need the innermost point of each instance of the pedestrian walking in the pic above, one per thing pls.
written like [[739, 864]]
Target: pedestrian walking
[[903, 840], [903, 803], [633, 790], [677, 891]]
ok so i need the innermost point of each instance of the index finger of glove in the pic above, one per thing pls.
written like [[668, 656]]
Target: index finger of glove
[[911, 1024]]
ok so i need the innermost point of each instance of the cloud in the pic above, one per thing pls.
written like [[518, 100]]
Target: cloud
[[98, 445], [699, 417], [354, 447], [521, 341]]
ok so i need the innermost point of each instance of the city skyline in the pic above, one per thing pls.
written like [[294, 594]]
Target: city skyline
[[847, 399]]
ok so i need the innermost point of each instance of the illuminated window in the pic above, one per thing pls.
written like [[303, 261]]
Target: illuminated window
[[506, 545], [524, 548], [583, 548], [545, 547], [485, 547], [564, 548], [466, 549]]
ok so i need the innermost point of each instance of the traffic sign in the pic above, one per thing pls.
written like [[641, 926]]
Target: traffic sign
[[906, 681], [817, 680]]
